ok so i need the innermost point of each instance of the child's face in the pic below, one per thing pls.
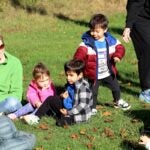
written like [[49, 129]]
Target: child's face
[[43, 82], [98, 33], [72, 77]]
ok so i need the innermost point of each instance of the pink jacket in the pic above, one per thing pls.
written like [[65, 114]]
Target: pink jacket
[[35, 94]]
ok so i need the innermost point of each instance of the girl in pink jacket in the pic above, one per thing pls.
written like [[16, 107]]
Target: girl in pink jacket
[[39, 89]]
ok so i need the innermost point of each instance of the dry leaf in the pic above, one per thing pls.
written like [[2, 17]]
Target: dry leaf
[[99, 107], [146, 105], [109, 133], [135, 121], [68, 148], [39, 148], [74, 136], [95, 129], [43, 126], [106, 113], [83, 131], [89, 145], [123, 133], [108, 120]]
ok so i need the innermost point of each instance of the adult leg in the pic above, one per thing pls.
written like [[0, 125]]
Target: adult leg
[[52, 105], [141, 40], [10, 105]]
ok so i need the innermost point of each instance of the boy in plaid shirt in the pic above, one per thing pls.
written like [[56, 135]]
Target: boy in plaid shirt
[[82, 100]]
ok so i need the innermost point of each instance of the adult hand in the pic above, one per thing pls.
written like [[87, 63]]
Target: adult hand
[[126, 35]]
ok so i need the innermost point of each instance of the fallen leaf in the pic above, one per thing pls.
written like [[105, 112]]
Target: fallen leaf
[[146, 105], [91, 138], [74, 136], [39, 148], [123, 133], [89, 145], [135, 120], [107, 120], [68, 148], [43, 126], [109, 133], [99, 107], [83, 131], [95, 129], [106, 113]]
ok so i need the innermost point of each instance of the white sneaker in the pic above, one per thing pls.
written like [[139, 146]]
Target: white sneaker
[[122, 104], [31, 119], [94, 111]]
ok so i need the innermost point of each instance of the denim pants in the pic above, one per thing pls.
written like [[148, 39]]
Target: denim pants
[[10, 105]]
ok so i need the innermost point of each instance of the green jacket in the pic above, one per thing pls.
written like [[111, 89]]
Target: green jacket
[[11, 78]]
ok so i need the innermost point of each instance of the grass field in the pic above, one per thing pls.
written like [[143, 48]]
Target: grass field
[[50, 32]]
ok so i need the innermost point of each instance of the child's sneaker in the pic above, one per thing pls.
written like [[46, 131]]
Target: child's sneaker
[[94, 111], [122, 104], [31, 119]]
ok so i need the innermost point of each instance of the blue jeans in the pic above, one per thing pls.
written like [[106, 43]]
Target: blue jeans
[[10, 105]]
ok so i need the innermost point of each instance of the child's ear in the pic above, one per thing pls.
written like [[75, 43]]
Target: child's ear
[[106, 30], [80, 75]]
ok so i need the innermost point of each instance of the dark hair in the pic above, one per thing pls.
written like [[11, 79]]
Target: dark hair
[[98, 20], [39, 70], [74, 65]]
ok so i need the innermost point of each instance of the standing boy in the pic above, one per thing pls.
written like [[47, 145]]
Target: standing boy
[[81, 96], [100, 51]]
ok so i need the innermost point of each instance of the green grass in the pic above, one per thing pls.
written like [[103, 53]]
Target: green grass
[[53, 40]]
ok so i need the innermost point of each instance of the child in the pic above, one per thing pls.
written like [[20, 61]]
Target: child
[[39, 89], [82, 100], [100, 51]]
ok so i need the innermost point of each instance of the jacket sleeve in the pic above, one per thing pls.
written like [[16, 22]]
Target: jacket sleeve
[[81, 53], [32, 95], [119, 51], [68, 103], [84, 96], [133, 9]]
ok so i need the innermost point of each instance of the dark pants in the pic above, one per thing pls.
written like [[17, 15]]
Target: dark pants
[[112, 83], [141, 40], [51, 107]]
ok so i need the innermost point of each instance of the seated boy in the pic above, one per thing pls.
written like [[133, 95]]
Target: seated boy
[[82, 98]]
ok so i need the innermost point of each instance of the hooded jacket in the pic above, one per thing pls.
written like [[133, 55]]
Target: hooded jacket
[[87, 52]]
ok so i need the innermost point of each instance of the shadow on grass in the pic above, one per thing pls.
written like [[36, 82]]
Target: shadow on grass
[[128, 84], [84, 23], [66, 18], [30, 9], [131, 145], [139, 115]]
